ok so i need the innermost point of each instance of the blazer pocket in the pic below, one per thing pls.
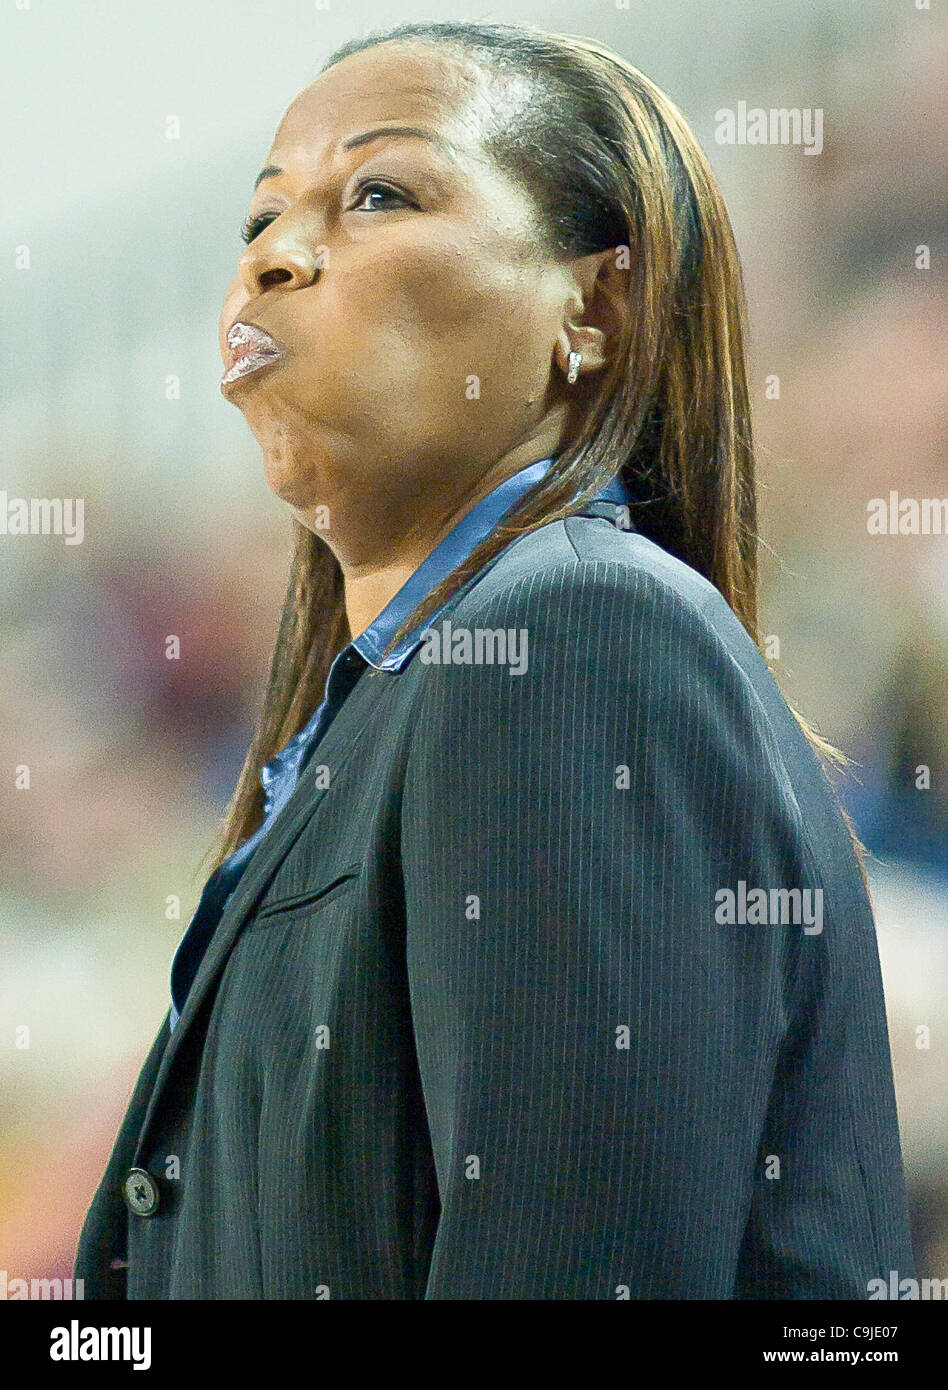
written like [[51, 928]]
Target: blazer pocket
[[298, 903]]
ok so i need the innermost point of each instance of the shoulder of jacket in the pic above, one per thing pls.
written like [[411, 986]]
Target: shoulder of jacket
[[582, 572], [583, 558], [589, 595]]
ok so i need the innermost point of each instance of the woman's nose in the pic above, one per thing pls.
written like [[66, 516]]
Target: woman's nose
[[261, 268]]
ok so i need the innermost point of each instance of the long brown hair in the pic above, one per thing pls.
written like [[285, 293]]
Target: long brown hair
[[609, 161]]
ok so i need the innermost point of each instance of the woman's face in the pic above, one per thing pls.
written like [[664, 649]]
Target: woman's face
[[405, 279]]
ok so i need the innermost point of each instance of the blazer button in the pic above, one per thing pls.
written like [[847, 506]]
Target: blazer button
[[140, 1192]]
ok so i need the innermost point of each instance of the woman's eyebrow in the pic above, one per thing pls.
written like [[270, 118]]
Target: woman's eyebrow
[[378, 133]]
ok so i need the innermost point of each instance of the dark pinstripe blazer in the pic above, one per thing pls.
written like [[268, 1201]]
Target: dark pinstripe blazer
[[470, 1027]]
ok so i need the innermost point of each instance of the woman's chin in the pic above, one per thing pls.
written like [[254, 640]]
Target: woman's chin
[[298, 487], [295, 493]]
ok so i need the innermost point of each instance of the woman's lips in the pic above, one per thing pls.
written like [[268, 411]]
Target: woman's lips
[[250, 348]]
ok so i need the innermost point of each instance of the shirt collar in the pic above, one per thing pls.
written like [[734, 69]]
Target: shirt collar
[[457, 545]]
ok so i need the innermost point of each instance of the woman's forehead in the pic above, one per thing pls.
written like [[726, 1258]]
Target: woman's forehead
[[393, 84]]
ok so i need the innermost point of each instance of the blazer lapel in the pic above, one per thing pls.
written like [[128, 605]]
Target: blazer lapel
[[263, 864]]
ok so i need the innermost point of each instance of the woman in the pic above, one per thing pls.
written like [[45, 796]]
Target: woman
[[536, 961]]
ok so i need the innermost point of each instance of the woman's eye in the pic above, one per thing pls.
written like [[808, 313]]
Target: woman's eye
[[364, 190], [372, 188], [255, 225]]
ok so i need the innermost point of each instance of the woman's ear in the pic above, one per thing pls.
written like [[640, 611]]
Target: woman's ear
[[595, 308]]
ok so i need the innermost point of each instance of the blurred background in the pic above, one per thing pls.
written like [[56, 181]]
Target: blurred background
[[117, 245]]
